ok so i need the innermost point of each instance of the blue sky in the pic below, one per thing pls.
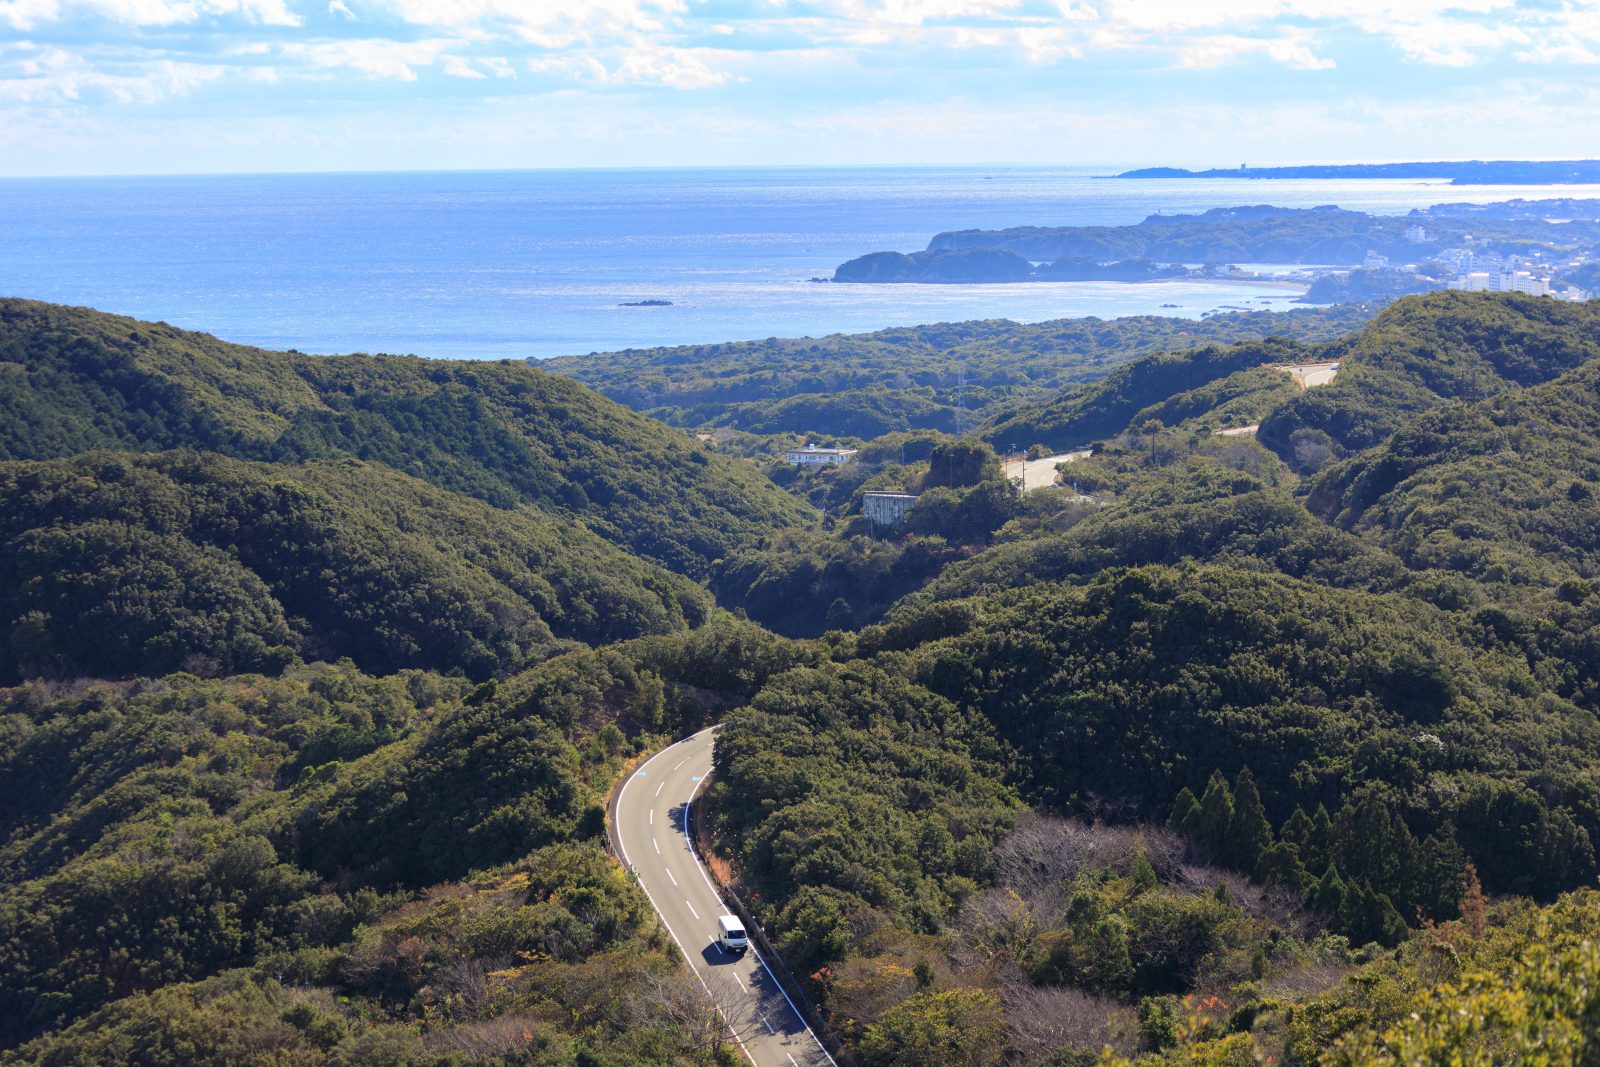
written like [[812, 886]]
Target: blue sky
[[160, 86]]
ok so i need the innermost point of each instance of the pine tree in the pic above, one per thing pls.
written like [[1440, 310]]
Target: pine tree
[[1367, 915], [1474, 906], [1144, 875], [1442, 878], [1375, 846], [1388, 928], [1329, 892], [1214, 821], [1318, 851], [1280, 865], [1567, 853], [1297, 830], [1104, 963], [1249, 833], [1184, 811]]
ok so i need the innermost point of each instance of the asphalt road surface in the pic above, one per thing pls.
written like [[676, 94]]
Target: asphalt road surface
[[651, 824]]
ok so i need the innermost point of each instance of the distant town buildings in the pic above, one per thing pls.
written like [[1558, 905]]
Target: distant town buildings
[[1416, 234], [1480, 281], [887, 509], [1375, 261], [812, 456]]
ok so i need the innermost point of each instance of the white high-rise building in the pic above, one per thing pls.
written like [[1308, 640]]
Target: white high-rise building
[[1480, 281]]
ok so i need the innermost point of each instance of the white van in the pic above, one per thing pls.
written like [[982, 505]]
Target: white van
[[731, 936]]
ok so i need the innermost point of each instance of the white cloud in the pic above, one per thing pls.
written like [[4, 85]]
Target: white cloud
[[29, 14], [51, 77], [457, 67], [376, 57], [547, 23], [1224, 50], [874, 53], [638, 63]]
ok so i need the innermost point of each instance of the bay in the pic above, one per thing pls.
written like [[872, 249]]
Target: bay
[[510, 264]]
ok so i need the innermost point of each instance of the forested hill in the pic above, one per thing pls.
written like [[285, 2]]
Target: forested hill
[[1101, 409], [1222, 756], [117, 564], [1506, 490], [914, 377], [1419, 352], [72, 379], [1427, 350], [1263, 234]]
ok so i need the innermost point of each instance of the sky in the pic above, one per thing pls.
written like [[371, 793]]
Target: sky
[[167, 86]]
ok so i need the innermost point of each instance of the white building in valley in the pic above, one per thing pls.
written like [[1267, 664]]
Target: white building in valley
[[812, 456]]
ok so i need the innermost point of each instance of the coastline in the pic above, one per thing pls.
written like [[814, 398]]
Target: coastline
[[1270, 283]]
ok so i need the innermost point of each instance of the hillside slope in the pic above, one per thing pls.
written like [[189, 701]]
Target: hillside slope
[[1426, 350], [1507, 489], [1101, 409], [114, 564], [72, 379], [864, 385], [1418, 353]]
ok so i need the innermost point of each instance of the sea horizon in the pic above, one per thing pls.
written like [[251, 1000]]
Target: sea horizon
[[496, 264]]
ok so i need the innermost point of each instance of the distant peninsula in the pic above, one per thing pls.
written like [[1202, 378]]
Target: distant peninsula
[[1392, 254], [1464, 172]]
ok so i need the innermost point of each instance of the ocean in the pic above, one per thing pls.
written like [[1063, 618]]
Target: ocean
[[510, 264]]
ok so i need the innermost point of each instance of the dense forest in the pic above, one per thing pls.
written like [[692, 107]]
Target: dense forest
[[114, 564], [506, 433], [229, 866], [316, 674], [910, 378], [1414, 355]]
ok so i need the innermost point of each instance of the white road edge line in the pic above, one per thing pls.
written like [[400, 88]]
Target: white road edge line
[[801, 1019], [673, 934]]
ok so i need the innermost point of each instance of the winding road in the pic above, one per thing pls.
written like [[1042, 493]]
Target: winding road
[[651, 823]]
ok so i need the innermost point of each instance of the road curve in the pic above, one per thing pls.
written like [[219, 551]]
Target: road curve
[[652, 816]]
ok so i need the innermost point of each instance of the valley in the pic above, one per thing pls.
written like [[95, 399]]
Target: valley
[[347, 701]]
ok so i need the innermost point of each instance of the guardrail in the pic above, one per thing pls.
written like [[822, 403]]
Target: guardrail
[[779, 970], [775, 966]]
